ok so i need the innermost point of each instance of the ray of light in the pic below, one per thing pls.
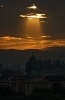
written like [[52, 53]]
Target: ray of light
[[33, 19], [33, 28]]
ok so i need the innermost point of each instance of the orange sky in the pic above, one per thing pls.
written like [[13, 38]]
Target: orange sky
[[44, 42]]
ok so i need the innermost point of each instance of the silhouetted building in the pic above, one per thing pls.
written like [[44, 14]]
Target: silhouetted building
[[39, 74], [32, 67], [27, 84], [38, 67]]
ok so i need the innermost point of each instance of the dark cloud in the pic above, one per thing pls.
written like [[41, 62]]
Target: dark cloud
[[10, 20]]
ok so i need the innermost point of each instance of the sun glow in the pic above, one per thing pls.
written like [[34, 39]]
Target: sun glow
[[32, 7], [32, 15], [8, 42], [32, 28]]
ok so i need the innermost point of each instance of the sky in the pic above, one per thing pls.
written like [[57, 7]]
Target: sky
[[11, 25]]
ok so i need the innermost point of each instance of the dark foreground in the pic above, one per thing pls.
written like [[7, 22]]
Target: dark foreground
[[56, 93]]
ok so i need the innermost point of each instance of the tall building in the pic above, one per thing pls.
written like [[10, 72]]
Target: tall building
[[32, 66], [43, 68]]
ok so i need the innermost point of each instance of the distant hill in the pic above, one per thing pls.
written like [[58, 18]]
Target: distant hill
[[12, 57]]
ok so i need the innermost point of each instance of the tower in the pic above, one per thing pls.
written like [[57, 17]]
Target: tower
[[31, 66]]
